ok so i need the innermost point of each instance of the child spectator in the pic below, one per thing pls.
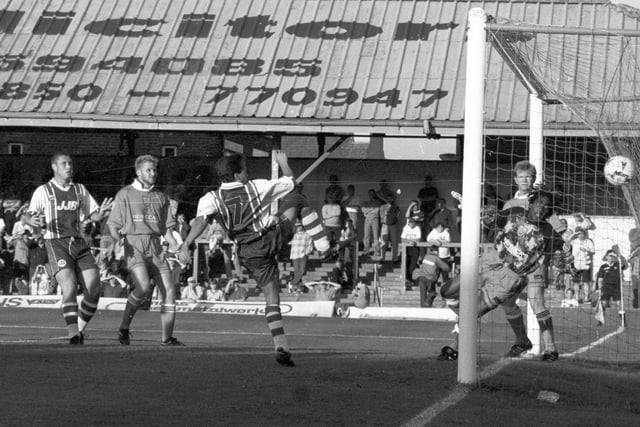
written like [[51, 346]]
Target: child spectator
[[569, 299]]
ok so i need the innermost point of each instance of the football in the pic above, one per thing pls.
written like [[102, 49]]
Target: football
[[619, 170]]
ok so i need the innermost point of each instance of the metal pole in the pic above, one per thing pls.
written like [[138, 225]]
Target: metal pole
[[536, 157], [471, 195]]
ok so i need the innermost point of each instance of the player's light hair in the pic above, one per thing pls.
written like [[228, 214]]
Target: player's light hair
[[145, 158], [524, 166]]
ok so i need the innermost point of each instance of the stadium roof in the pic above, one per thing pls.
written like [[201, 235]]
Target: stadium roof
[[342, 66]]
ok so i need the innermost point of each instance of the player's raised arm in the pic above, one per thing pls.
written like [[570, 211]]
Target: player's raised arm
[[282, 160]]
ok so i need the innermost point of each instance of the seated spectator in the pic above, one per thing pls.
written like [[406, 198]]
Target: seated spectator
[[113, 286], [234, 292], [569, 299], [426, 275], [361, 296], [324, 291], [193, 291], [341, 276]]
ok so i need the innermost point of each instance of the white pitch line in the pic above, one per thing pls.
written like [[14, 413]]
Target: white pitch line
[[595, 343], [461, 391]]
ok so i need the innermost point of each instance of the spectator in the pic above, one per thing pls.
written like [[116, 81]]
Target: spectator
[[426, 275], [441, 214], [346, 250], [334, 192], [351, 205], [324, 291], [182, 227], [234, 292], [301, 247], [413, 211], [427, 197], [411, 235], [389, 231], [608, 278], [37, 255], [193, 291], [6, 272], [384, 193], [332, 220], [569, 299], [439, 237], [371, 212], [582, 250], [21, 244], [340, 275]]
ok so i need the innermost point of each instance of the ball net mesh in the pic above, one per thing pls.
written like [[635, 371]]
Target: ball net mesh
[[593, 78]]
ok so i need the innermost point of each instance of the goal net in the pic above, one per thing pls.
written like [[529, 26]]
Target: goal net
[[589, 85]]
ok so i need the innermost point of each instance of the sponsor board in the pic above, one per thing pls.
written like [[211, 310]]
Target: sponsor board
[[403, 313], [293, 308]]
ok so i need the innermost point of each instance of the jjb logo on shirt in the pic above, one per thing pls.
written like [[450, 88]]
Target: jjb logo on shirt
[[67, 205]]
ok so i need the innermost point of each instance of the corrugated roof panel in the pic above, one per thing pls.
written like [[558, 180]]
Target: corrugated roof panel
[[379, 60]]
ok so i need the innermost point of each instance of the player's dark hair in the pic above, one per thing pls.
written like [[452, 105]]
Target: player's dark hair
[[56, 156], [547, 197], [228, 166]]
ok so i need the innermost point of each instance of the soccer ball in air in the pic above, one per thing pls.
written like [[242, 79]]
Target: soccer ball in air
[[619, 170]]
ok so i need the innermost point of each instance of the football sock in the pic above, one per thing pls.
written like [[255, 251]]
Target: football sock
[[167, 319], [87, 310], [516, 320], [274, 321], [70, 313], [312, 223], [133, 302], [546, 327]]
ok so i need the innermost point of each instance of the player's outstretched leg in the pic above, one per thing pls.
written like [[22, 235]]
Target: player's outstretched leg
[[296, 205]]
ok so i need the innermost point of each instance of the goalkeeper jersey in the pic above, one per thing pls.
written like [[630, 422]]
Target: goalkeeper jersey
[[520, 245]]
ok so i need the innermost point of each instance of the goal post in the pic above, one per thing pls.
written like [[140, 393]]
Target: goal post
[[584, 108]]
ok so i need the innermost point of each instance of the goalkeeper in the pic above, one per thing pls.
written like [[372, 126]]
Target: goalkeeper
[[518, 260]]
